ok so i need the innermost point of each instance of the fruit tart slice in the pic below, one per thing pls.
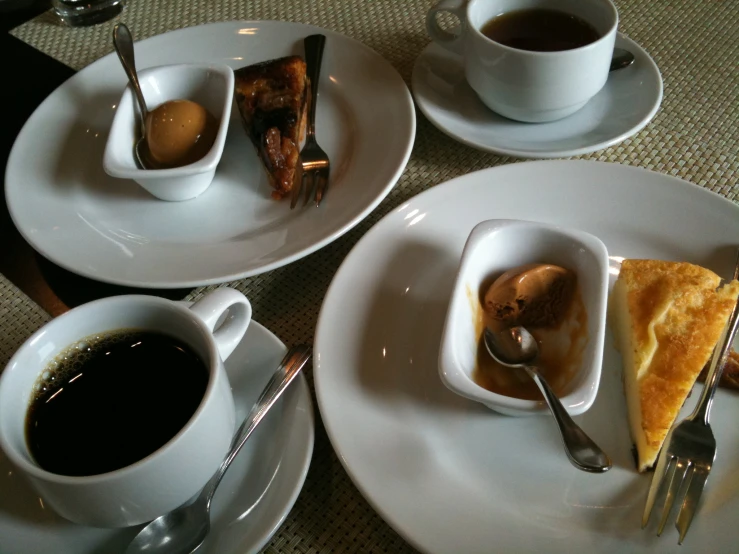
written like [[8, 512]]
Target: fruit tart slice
[[272, 97]]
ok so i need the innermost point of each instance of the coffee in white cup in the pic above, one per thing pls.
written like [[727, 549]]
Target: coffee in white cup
[[138, 349], [529, 85]]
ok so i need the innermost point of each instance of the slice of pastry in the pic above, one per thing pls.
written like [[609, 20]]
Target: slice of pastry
[[666, 318], [272, 98]]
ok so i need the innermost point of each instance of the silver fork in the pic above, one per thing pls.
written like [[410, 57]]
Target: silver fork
[[314, 160], [690, 447]]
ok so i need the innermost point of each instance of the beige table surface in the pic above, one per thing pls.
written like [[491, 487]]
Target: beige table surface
[[695, 136]]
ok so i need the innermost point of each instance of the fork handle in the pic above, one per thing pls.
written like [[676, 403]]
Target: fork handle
[[313, 45], [579, 447], [702, 411]]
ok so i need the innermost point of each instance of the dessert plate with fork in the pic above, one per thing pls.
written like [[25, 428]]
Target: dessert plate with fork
[[446, 472], [112, 230]]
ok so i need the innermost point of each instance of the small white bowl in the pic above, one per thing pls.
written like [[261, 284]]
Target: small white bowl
[[495, 246], [209, 85]]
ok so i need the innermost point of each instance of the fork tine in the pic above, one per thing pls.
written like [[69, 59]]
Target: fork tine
[[658, 481], [296, 190], [698, 478], [310, 187], [322, 186], [676, 474]]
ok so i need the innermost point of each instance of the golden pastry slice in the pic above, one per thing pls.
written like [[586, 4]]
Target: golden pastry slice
[[272, 97], [666, 318]]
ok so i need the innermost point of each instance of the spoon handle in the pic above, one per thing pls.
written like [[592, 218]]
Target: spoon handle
[[580, 448], [123, 42], [621, 58], [289, 368]]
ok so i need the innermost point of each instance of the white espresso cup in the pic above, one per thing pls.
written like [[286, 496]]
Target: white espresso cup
[[526, 85], [175, 472]]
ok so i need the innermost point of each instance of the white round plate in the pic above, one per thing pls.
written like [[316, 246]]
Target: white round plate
[[111, 230], [251, 503], [626, 103], [453, 476]]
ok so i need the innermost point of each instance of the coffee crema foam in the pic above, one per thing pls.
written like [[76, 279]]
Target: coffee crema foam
[[71, 360]]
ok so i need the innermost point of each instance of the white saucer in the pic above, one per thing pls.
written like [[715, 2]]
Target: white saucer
[[251, 503], [112, 230], [447, 473], [623, 107]]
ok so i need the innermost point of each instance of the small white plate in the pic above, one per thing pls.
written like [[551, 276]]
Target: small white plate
[[452, 476], [627, 102], [251, 503], [111, 230]]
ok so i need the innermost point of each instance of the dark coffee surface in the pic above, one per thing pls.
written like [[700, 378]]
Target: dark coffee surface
[[112, 400], [540, 30]]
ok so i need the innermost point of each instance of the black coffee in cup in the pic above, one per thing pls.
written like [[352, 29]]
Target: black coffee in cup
[[540, 30], [111, 400]]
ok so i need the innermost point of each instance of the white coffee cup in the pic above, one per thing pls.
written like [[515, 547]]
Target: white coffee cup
[[175, 472], [521, 84]]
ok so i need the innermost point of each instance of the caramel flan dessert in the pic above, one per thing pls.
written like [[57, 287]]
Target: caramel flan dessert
[[666, 318], [272, 97]]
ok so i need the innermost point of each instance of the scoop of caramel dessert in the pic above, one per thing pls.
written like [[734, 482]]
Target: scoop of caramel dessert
[[272, 97], [533, 295], [178, 133], [545, 299], [666, 318]]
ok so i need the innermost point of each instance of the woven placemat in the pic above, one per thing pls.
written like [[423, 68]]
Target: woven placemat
[[20, 317], [695, 136]]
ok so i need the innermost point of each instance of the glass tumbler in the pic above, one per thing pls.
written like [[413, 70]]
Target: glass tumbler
[[79, 13]]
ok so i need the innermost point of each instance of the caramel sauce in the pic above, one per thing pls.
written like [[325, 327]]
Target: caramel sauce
[[560, 352]]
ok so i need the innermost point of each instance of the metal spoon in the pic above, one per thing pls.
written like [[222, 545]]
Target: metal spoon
[[621, 58], [184, 529], [123, 42], [516, 347]]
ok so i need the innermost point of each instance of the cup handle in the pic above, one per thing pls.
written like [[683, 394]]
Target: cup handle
[[448, 40], [212, 306]]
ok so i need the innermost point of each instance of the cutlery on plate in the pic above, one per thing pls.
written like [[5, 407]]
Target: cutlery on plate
[[123, 42], [621, 58], [314, 160], [690, 447], [517, 348], [184, 529]]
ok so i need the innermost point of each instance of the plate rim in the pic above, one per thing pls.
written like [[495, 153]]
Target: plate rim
[[621, 40], [323, 328], [174, 283]]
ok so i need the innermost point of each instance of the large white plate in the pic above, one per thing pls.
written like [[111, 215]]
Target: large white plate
[[253, 500], [111, 230], [447, 473], [628, 101]]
